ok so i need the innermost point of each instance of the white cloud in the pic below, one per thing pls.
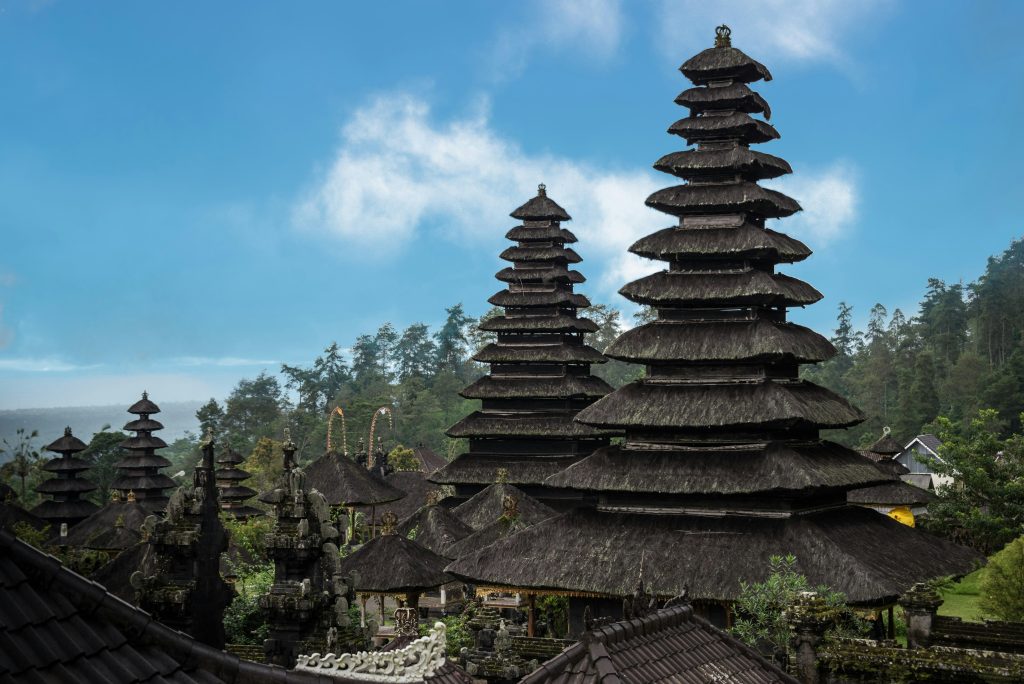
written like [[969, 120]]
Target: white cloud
[[41, 365], [803, 30], [592, 28], [220, 361], [829, 199]]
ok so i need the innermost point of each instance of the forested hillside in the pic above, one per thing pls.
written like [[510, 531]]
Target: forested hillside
[[963, 350]]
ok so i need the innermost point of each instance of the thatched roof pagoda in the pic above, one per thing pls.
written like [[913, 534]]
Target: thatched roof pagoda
[[722, 464], [434, 527], [539, 365], [139, 471], [233, 494], [66, 487], [885, 449]]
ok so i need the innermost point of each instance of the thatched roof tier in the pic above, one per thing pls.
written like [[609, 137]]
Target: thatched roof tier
[[534, 425], [142, 483], [744, 242], [130, 514], [895, 493], [143, 441], [724, 63], [487, 506], [479, 468], [703, 163], [232, 474], [394, 564], [230, 457], [239, 492], [538, 324], [735, 96], [345, 483], [735, 126], [143, 424], [758, 340], [144, 406], [892, 467], [685, 200], [497, 529], [541, 208], [886, 446], [538, 387], [66, 444], [539, 275], [533, 298], [539, 353], [541, 233], [768, 404], [415, 485], [553, 253], [65, 511], [849, 549], [766, 468], [65, 485], [750, 287], [434, 527], [68, 464], [143, 460]]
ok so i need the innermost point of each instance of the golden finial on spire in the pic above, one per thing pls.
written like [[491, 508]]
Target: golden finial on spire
[[131, 496], [67, 431], [501, 475], [389, 521], [542, 190], [723, 36]]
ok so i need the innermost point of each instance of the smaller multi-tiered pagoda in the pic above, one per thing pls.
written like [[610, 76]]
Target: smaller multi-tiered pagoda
[[539, 366], [66, 487], [139, 470], [234, 494]]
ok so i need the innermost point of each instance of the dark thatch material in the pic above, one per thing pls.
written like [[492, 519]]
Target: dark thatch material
[[65, 486], [540, 233], [541, 208], [767, 404], [66, 443], [669, 645], [699, 163], [394, 564], [539, 275], [117, 538], [68, 464], [534, 425], [343, 482], [896, 493], [510, 387], [415, 485], [143, 442], [429, 459], [724, 63], [768, 468], [720, 341], [115, 575], [434, 527], [62, 511], [685, 200], [487, 506], [478, 469], [11, 514], [143, 424], [891, 467], [100, 525], [737, 96], [672, 288], [144, 406], [66, 507], [488, 534], [539, 353], [850, 549], [554, 254], [142, 461], [529, 298], [886, 446], [538, 324], [745, 242], [736, 126]]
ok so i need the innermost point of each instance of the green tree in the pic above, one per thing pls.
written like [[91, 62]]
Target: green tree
[[24, 463], [318, 385], [265, 464], [254, 410], [919, 404], [1002, 583], [244, 622], [103, 453], [984, 509], [210, 416], [452, 341], [415, 352], [403, 458]]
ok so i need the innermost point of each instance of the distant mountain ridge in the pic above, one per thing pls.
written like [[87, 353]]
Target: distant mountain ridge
[[178, 417]]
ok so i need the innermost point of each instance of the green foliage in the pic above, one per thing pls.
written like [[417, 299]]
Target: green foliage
[[24, 469], [249, 535], [265, 464], [1002, 583], [103, 453], [761, 608], [555, 610], [985, 507], [254, 410], [210, 416], [30, 535], [243, 621], [403, 458], [457, 633]]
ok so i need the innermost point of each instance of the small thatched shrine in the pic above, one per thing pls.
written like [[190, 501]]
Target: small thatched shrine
[[722, 464], [67, 486], [434, 526], [233, 494], [539, 365]]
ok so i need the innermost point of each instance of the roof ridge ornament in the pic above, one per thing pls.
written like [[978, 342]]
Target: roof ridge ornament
[[542, 190], [723, 36], [419, 660]]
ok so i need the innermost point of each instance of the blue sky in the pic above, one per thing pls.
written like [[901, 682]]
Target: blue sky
[[192, 192]]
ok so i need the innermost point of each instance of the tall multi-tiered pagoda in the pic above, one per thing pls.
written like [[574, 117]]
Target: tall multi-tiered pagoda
[[233, 494], [66, 487], [540, 365], [139, 471], [722, 465]]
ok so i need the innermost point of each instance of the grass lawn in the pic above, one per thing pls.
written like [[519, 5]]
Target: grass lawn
[[961, 600]]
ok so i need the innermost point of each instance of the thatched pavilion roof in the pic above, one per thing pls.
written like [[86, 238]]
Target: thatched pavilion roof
[[346, 483], [434, 527], [488, 505], [394, 564]]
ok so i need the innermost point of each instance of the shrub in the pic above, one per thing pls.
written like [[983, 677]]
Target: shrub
[[1002, 583]]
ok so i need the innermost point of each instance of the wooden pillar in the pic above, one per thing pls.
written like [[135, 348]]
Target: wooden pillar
[[373, 522], [728, 616], [531, 602], [892, 625]]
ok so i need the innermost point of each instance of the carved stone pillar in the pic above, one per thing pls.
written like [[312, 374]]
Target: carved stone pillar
[[809, 617], [921, 604]]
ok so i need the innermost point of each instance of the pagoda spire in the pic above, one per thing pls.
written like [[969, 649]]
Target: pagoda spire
[[722, 464], [539, 365], [234, 494], [66, 487], [139, 471]]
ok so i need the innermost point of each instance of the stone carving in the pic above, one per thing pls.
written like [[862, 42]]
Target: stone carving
[[420, 659]]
